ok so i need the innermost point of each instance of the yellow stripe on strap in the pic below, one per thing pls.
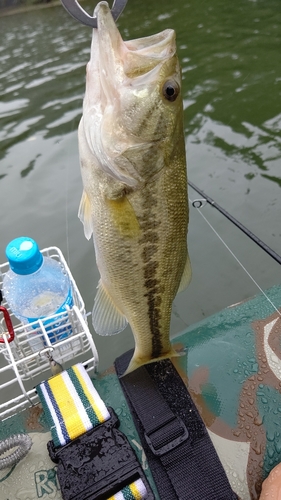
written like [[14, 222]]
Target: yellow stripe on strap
[[92, 400], [71, 404], [67, 406], [134, 491]]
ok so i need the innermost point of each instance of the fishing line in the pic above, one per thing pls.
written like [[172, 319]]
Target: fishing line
[[236, 258], [66, 215]]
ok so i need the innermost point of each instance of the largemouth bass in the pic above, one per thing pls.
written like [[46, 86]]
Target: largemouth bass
[[133, 165]]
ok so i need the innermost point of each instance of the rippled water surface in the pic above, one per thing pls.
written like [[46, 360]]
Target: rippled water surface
[[231, 61]]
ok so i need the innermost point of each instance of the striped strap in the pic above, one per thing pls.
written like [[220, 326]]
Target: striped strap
[[71, 404], [72, 407], [135, 491]]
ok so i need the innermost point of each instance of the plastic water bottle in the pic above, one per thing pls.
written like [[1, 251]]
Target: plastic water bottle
[[36, 287]]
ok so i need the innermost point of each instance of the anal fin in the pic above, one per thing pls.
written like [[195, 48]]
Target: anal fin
[[106, 317]]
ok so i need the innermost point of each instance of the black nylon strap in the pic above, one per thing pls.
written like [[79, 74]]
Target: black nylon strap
[[180, 453]]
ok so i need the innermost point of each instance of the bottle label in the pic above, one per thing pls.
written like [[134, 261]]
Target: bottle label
[[67, 303], [57, 328]]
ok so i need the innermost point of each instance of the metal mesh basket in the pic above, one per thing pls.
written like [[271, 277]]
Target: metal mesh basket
[[24, 362]]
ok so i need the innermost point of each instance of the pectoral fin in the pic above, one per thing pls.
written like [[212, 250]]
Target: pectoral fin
[[107, 319], [124, 217], [84, 214], [186, 276]]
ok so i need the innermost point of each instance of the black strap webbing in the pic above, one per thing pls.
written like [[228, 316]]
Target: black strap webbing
[[179, 451]]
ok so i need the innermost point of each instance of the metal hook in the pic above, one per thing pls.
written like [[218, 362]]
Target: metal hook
[[76, 11], [55, 367]]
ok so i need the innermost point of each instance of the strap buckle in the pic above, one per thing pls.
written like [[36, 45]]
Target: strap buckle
[[97, 464], [175, 425]]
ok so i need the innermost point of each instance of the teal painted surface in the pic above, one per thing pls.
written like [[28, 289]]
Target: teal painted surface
[[224, 346], [226, 351], [269, 404]]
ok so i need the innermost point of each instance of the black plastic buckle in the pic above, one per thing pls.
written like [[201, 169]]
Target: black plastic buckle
[[170, 444], [98, 464]]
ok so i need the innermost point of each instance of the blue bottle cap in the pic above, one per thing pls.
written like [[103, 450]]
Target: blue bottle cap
[[24, 255]]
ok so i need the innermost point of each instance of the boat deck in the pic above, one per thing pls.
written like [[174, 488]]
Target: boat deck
[[232, 368]]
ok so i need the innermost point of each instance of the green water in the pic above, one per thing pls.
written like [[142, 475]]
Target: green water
[[230, 53]]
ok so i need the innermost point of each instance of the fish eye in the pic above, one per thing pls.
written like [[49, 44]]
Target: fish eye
[[171, 90]]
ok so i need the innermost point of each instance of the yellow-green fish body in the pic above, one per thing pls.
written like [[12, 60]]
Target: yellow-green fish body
[[133, 166]]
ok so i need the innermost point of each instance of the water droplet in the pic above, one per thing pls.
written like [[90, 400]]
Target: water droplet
[[277, 445], [270, 452], [236, 433], [258, 420], [257, 448], [274, 358], [249, 414], [270, 436]]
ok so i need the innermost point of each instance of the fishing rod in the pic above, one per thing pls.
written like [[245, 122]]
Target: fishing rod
[[260, 243]]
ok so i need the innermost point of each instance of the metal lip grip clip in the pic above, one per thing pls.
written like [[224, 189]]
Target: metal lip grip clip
[[76, 11], [95, 460]]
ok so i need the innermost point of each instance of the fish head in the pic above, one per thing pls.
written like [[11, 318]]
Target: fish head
[[132, 108]]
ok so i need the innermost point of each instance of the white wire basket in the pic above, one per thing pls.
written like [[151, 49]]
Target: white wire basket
[[24, 361]]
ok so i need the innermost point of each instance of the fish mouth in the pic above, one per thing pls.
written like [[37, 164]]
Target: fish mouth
[[121, 76], [120, 60]]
